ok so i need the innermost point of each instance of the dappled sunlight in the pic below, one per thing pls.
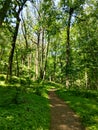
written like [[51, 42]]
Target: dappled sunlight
[[22, 108], [10, 118]]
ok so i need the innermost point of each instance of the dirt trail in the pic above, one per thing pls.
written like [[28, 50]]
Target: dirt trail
[[62, 117]]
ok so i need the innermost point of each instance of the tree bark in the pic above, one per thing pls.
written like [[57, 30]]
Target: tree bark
[[45, 67], [37, 57], [10, 62], [9, 73], [24, 31], [17, 70], [42, 57], [68, 48]]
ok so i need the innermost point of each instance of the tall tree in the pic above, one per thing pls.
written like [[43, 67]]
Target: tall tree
[[20, 6], [72, 8]]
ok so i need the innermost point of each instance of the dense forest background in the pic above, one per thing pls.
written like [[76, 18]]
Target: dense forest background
[[47, 45], [50, 40]]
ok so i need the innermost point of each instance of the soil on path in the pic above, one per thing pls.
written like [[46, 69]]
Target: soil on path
[[62, 117]]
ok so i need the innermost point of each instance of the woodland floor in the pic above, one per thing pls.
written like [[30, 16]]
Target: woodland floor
[[62, 117]]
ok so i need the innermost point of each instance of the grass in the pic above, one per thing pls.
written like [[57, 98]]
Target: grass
[[24, 107], [85, 104], [24, 104], [30, 113]]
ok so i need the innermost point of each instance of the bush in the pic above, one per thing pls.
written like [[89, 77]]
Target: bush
[[2, 77], [23, 81], [28, 80], [14, 80]]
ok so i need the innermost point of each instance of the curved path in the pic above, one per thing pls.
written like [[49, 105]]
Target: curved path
[[62, 117]]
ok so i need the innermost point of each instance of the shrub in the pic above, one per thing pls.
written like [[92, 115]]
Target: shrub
[[23, 81], [14, 80], [2, 77]]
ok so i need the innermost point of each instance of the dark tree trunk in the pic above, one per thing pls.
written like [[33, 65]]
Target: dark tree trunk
[[10, 62], [68, 48], [37, 57], [9, 73], [17, 70], [42, 57]]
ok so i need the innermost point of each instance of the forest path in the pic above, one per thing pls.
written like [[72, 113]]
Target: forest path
[[62, 117]]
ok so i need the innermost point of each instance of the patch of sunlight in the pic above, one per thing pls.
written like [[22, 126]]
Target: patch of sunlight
[[41, 128], [78, 103], [78, 81], [96, 119], [30, 90], [2, 82], [44, 94], [68, 102], [9, 118], [93, 106], [63, 126], [51, 105], [92, 128]]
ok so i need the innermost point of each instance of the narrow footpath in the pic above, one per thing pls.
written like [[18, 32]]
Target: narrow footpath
[[62, 117]]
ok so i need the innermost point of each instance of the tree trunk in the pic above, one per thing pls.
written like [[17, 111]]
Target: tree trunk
[[42, 57], [45, 67], [9, 73], [68, 48], [17, 70], [37, 57], [24, 31]]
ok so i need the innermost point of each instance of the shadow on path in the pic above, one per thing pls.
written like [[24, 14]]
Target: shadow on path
[[62, 117]]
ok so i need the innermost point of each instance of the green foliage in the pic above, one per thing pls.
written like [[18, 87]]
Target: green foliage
[[53, 85], [2, 77], [28, 80], [23, 81], [84, 103], [14, 80], [85, 93], [6, 95], [29, 112]]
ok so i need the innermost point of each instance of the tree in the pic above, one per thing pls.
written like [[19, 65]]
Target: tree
[[20, 6], [72, 8]]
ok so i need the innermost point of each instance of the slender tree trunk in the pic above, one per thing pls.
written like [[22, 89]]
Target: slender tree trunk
[[42, 57], [9, 73], [54, 66], [24, 31], [61, 67], [68, 48], [17, 70], [55, 62], [37, 57], [45, 67]]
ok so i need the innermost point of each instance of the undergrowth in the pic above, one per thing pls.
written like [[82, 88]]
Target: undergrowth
[[23, 106]]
